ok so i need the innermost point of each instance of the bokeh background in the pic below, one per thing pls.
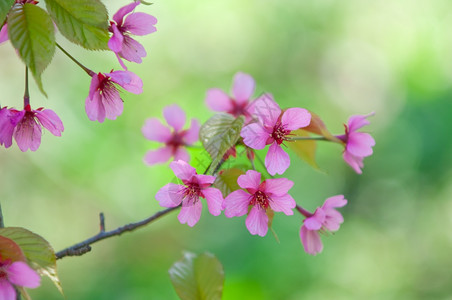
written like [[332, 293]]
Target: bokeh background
[[336, 58]]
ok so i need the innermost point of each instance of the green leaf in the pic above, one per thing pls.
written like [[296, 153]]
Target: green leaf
[[40, 255], [83, 22], [305, 149], [146, 3], [218, 134], [5, 6], [226, 180], [198, 277], [31, 32]]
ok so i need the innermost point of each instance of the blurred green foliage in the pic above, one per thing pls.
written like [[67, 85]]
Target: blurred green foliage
[[336, 58]]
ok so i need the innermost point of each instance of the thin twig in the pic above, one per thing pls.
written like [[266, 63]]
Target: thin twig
[[84, 247], [2, 224]]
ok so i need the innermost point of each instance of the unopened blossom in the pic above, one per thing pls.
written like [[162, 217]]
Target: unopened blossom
[[273, 128], [26, 126], [325, 218], [174, 137], [357, 144], [16, 273], [125, 24], [270, 194], [237, 105], [189, 193], [103, 100]]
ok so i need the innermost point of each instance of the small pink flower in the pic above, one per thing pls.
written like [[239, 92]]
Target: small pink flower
[[325, 218], [25, 126], [175, 139], [16, 273], [194, 187], [122, 26], [242, 89], [272, 128], [103, 100], [357, 144], [268, 194]]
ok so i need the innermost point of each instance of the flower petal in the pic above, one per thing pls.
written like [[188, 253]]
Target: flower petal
[[355, 122], [192, 134], [214, 200], [170, 195], [333, 220], [316, 220], [119, 15], [182, 170], [19, 273], [140, 23], [266, 110], [4, 33], [334, 201], [355, 162], [8, 122], [190, 213], [284, 203], [181, 154], [161, 155], [7, 291], [236, 204], [295, 118], [128, 80], [360, 144], [205, 180], [28, 134], [111, 102], [49, 119], [311, 241], [276, 160], [154, 130], [132, 50], [217, 100], [175, 116], [243, 87], [255, 136], [257, 221], [251, 180], [94, 108], [278, 186], [116, 40]]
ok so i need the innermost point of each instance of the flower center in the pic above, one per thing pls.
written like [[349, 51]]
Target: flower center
[[279, 133], [261, 199], [192, 192], [176, 140], [238, 109]]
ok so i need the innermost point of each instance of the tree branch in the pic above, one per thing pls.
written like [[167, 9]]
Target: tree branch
[[85, 246]]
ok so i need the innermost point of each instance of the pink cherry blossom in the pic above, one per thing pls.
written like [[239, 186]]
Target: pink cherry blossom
[[357, 144], [174, 137], [325, 218], [189, 193], [16, 273], [25, 126], [123, 26], [261, 196], [103, 100], [273, 128], [242, 90]]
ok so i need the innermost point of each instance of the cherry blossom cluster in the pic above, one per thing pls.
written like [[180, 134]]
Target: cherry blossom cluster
[[257, 197]]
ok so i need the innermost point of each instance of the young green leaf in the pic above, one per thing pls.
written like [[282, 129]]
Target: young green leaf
[[199, 277], [40, 255], [220, 133], [83, 22], [305, 149], [226, 180], [31, 32], [5, 6]]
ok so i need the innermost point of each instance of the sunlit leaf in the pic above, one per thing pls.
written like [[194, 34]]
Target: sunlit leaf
[[5, 6], [318, 127], [219, 134], [198, 277], [226, 180], [40, 255], [10, 250], [83, 22], [30, 30], [305, 149]]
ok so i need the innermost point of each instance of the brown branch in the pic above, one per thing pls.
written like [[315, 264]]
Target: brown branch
[[85, 246]]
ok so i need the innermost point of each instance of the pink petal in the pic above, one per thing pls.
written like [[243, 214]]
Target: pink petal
[[266, 110], [94, 108], [175, 116], [334, 201], [214, 200], [276, 160], [19, 273], [4, 33], [8, 122], [182, 170], [255, 136], [170, 195], [295, 118], [111, 102], [116, 40], [360, 144], [243, 87], [315, 221], [357, 121], [181, 154], [284, 203], [217, 100], [190, 213], [153, 130], [94, 85], [7, 291], [333, 220], [161, 155], [28, 134], [132, 50], [119, 15], [355, 162], [140, 24], [128, 80], [251, 180], [236, 204], [121, 62], [192, 134], [311, 241], [257, 221], [278, 186], [49, 119]]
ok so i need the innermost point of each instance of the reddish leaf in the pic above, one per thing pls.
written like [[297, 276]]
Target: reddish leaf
[[318, 127], [10, 250]]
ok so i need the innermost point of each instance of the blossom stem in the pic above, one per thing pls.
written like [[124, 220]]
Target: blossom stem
[[2, 224], [85, 246], [307, 138], [26, 93], [303, 211], [88, 71]]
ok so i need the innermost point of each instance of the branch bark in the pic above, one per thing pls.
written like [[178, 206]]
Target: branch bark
[[85, 246]]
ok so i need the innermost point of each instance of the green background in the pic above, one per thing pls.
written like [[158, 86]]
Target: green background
[[336, 58]]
